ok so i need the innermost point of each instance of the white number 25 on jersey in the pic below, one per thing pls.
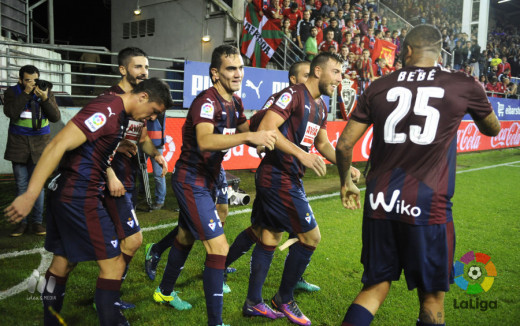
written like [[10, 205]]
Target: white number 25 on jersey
[[418, 135]]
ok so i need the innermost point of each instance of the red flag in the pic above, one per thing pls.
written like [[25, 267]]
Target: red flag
[[384, 49], [260, 37]]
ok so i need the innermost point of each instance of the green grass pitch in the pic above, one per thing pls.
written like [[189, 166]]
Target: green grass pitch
[[486, 215]]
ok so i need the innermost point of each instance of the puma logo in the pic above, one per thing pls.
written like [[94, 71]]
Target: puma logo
[[110, 113], [210, 101], [256, 88], [292, 91]]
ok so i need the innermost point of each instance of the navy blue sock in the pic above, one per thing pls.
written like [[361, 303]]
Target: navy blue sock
[[166, 242], [127, 259], [295, 264], [357, 316], [260, 263], [176, 259], [241, 245], [420, 323], [53, 296], [213, 277], [107, 294]]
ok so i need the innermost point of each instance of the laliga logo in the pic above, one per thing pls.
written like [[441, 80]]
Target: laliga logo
[[507, 136], [469, 138], [475, 273]]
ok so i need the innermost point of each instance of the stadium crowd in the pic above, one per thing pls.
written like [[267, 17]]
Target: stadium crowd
[[347, 27]]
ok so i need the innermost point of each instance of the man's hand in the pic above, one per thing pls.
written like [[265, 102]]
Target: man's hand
[[115, 187], [350, 197], [162, 162], [355, 174], [44, 95], [314, 162], [265, 138], [127, 148], [19, 208]]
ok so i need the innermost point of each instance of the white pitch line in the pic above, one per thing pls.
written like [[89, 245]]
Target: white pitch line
[[47, 257]]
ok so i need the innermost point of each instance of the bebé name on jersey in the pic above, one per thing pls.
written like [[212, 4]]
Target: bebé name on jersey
[[416, 75], [399, 206]]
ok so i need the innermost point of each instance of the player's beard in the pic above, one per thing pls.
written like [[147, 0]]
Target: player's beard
[[134, 80], [323, 87]]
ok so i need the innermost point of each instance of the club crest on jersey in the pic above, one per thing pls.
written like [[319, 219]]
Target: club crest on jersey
[[284, 100], [130, 222], [96, 121], [311, 131], [207, 111], [114, 243], [212, 225], [308, 218]]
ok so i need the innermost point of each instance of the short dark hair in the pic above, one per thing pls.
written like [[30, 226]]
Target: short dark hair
[[28, 69], [157, 90], [322, 59], [216, 57], [425, 37], [124, 56], [295, 67]]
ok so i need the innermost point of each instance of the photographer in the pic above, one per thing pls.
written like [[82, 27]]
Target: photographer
[[30, 106]]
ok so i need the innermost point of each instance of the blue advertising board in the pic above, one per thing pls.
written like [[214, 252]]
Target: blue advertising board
[[257, 85], [506, 109]]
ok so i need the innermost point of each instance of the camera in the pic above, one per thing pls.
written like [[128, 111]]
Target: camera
[[43, 84]]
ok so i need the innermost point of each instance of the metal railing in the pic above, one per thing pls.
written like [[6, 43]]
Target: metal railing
[[287, 54], [66, 75]]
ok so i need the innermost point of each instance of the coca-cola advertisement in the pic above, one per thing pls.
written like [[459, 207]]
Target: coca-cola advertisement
[[468, 138]]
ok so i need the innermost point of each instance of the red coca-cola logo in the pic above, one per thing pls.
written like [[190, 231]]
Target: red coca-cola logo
[[507, 137], [469, 138], [366, 145]]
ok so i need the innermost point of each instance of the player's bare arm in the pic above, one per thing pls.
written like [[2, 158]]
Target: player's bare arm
[[127, 148], [149, 148], [208, 141], [489, 126], [115, 186], [69, 138], [273, 120], [349, 192]]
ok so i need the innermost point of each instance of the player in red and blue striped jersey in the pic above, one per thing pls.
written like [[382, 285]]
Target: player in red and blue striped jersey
[[215, 123], [407, 221], [79, 228], [300, 118]]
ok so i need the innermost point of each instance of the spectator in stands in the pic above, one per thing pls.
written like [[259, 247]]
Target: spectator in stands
[[483, 80], [341, 18], [383, 27], [303, 29], [356, 47], [325, 8], [365, 70], [369, 40], [351, 28], [397, 41], [30, 108], [328, 43], [293, 14], [509, 87], [495, 88], [344, 53], [458, 58], [275, 13], [474, 58], [495, 61], [335, 28], [503, 66], [504, 74], [319, 28], [311, 46], [364, 25]]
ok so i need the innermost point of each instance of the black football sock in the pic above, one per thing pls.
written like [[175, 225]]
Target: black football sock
[[213, 278], [357, 316], [176, 259], [165, 243], [241, 245], [107, 301], [52, 297], [295, 264]]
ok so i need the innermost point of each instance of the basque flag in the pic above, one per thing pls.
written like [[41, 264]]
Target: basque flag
[[260, 37], [384, 49]]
